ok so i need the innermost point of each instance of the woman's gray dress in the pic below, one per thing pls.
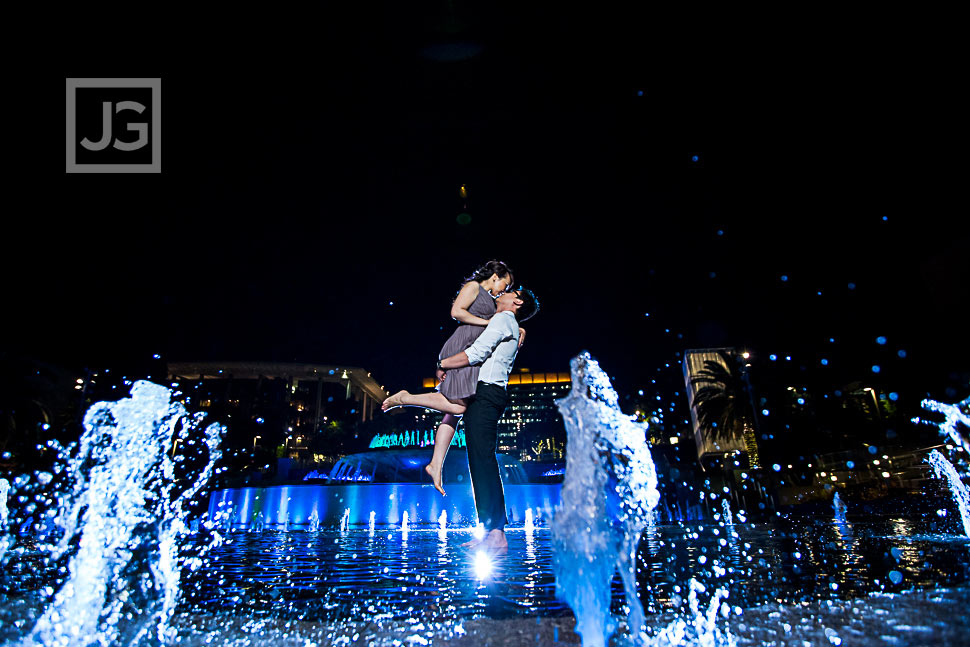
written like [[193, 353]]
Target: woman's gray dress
[[460, 383]]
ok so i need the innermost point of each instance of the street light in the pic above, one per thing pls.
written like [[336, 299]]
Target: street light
[[254, 441]]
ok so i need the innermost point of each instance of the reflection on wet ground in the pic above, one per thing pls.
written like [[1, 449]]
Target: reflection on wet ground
[[814, 582], [427, 574]]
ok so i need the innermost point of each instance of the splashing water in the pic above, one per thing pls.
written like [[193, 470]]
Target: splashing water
[[956, 415], [345, 520], [838, 505], [4, 540], [404, 523], [443, 520], [726, 508], [371, 521], [696, 627], [608, 493], [942, 467], [529, 523], [479, 531], [125, 511], [4, 491]]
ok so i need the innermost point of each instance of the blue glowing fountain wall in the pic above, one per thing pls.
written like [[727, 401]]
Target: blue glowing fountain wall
[[298, 507]]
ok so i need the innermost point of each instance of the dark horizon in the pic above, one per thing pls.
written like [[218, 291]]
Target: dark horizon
[[617, 176]]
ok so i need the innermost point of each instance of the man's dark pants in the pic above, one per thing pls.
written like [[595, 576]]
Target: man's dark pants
[[481, 434]]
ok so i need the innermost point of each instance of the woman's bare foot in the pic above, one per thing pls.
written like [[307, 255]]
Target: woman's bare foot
[[435, 475], [396, 400]]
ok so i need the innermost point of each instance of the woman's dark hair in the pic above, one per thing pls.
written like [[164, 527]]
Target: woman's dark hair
[[489, 268], [529, 307]]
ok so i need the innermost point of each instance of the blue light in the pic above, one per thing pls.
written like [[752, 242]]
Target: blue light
[[640, 392], [825, 362], [873, 450], [876, 368], [893, 396], [646, 314], [639, 93], [776, 467], [902, 353], [720, 232], [831, 340], [784, 277], [695, 158], [885, 218], [850, 464], [801, 400], [881, 340], [852, 286], [764, 412], [772, 357]]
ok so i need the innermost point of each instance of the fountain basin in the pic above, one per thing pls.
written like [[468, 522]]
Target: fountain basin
[[300, 506]]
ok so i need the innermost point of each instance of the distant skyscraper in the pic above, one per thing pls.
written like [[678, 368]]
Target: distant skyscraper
[[720, 400]]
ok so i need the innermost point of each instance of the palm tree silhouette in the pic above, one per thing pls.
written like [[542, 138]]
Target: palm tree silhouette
[[723, 402]]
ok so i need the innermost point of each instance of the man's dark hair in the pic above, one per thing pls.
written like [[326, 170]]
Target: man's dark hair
[[529, 307]]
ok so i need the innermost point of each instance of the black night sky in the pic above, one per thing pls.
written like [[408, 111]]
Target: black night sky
[[308, 205]]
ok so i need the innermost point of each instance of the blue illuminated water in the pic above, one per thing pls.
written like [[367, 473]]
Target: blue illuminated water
[[427, 574], [608, 495], [945, 470], [363, 578], [119, 523], [299, 505], [124, 567], [840, 508]]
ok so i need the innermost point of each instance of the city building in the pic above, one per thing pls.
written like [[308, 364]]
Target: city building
[[287, 405], [532, 425], [721, 403]]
